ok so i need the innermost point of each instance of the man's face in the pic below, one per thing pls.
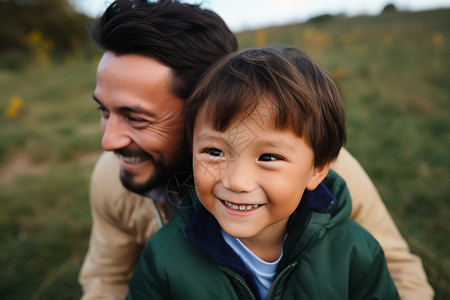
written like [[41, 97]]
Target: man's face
[[141, 119]]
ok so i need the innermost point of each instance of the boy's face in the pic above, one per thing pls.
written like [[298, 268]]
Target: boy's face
[[252, 176]]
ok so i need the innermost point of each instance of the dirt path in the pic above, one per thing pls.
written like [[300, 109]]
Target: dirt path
[[21, 164]]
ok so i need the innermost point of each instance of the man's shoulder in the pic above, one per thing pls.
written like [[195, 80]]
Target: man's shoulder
[[112, 200], [353, 237], [171, 235], [107, 168], [105, 179], [170, 245]]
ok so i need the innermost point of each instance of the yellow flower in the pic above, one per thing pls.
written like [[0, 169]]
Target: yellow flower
[[261, 38], [315, 38], [388, 39], [438, 39], [35, 36], [48, 45], [15, 107], [43, 58], [340, 72], [308, 34]]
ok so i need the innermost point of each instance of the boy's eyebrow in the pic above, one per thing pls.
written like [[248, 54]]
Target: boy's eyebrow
[[207, 136], [278, 144], [203, 136], [137, 109]]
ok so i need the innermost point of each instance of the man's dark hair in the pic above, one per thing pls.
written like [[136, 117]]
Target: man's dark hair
[[184, 37]]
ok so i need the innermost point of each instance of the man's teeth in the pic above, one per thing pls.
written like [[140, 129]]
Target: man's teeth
[[132, 159], [241, 207]]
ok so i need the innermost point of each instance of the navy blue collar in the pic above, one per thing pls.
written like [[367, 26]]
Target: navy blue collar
[[204, 231], [318, 200]]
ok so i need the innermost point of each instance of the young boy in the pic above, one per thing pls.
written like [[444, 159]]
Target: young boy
[[268, 219]]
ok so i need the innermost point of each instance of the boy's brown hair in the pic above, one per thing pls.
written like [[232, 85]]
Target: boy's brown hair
[[299, 94]]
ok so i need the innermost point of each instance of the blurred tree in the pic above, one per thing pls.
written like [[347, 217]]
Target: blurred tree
[[389, 8], [62, 28], [320, 18]]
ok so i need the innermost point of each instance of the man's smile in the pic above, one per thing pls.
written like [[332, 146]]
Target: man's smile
[[134, 159]]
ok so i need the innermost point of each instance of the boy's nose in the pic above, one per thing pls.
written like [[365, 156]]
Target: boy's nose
[[238, 178]]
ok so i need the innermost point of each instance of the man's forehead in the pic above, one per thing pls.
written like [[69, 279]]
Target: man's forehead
[[134, 77], [133, 65]]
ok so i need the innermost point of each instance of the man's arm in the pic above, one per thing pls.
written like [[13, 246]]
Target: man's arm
[[122, 223], [369, 211]]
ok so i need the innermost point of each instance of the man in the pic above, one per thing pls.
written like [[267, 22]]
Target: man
[[155, 53]]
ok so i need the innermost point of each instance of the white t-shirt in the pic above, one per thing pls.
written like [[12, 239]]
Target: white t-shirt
[[262, 271]]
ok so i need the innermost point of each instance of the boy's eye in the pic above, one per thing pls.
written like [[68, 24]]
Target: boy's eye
[[213, 152], [269, 157]]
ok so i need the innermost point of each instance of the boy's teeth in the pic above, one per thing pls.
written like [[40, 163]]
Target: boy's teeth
[[240, 207]]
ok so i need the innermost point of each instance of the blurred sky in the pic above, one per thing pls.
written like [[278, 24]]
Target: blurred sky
[[248, 14]]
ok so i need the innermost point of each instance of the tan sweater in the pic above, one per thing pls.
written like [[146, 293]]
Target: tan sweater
[[123, 221]]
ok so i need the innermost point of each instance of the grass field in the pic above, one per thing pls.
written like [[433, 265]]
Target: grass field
[[393, 71]]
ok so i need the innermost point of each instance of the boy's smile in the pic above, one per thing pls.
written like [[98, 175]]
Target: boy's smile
[[238, 205], [241, 207], [252, 176]]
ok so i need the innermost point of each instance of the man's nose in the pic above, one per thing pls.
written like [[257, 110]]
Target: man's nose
[[115, 134]]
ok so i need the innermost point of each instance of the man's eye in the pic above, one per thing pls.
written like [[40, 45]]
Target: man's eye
[[135, 120], [213, 152], [269, 157], [104, 113]]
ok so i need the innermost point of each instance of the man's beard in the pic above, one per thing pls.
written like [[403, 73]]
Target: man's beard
[[161, 174]]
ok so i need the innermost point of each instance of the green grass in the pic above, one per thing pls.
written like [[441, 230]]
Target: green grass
[[393, 71], [46, 156]]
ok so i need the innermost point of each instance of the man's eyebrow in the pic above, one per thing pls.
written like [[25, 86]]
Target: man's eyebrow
[[136, 109], [96, 99]]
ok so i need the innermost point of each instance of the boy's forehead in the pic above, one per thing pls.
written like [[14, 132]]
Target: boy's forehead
[[248, 131], [262, 108], [262, 116], [264, 112]]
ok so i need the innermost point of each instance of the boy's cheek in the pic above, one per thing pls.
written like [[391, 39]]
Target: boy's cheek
[[204, 178], [206, 171]]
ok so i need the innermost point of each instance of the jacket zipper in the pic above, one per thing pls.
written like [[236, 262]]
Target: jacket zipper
[[278, 278], [233, 274], [291, 266], [244, 284]]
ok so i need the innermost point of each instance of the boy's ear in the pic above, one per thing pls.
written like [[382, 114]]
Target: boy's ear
[[318, 176]]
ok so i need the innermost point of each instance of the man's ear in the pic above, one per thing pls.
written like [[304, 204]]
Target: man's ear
[[318, 176]]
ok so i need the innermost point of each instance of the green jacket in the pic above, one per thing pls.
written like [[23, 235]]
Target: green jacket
[[326, 256]]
